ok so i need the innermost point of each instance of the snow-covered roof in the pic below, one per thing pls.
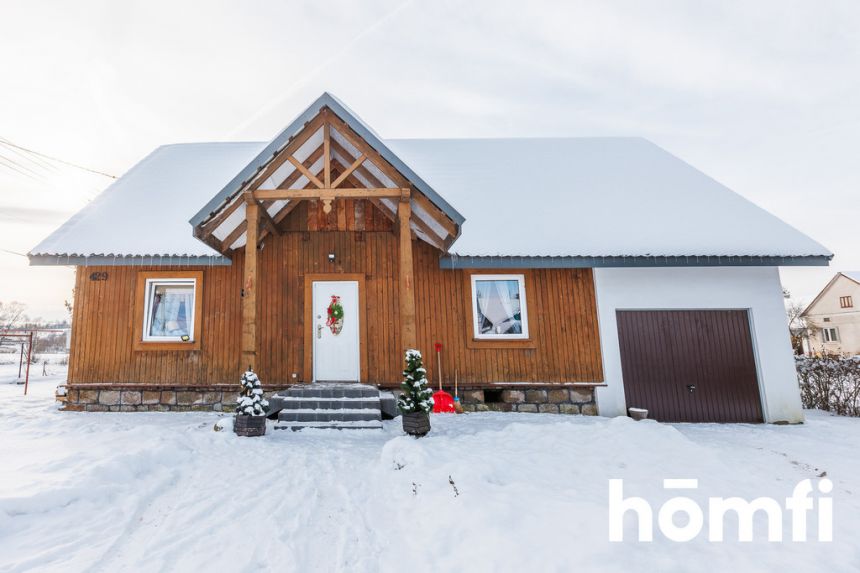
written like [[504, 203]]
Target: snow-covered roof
[[145, 212], [521, 199], [593, 197]]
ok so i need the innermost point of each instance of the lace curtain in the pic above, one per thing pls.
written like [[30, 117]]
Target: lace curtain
[[171, 310], [498, 306]]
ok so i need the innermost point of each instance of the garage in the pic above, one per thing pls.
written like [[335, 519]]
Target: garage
[[689, 365]]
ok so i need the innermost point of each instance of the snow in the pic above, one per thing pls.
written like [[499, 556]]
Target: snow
[[592, 196], [164, 492], [146, 211], [589, 197]]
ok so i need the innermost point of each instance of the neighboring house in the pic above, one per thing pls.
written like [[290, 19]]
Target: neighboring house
[[833, 317], [549, 269]]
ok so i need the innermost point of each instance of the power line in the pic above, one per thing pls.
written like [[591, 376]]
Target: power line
[[7, 143], [15, 166], [32, 159]]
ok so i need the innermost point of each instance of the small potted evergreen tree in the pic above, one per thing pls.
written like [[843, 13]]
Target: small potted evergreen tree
[[416, 401], [251, 407]]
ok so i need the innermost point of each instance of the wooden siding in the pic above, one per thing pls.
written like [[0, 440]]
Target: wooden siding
[[561, 307]]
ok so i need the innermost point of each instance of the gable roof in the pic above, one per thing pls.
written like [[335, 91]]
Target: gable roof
[[524, 202], [851, 275], [593, 197], [295, 126], [142, 217]]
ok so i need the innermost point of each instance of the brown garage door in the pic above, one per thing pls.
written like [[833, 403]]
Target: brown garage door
[[689, 365]]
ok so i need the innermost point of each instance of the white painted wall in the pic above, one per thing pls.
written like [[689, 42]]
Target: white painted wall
[[827, 312], [755, 288]]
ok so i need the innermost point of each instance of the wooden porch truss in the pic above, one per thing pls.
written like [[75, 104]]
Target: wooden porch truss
[[325, 161]]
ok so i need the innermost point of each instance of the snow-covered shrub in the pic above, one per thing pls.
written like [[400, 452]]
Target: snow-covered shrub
[[416, 396], [830, 383], [251, 401]]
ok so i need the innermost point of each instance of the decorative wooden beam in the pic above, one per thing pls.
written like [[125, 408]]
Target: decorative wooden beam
[[368, 150], [355, 165], [249, 290], [437, 214], [209, 239], [222, 216], [235, 234], [326, 193], [408, 337], [327, 155], [432, 236], [296, 174], [389, 214], [304, 171], [287, 151], [268, 221], [419, 197]]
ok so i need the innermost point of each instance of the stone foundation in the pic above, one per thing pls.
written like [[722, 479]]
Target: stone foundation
[[145, 398], [222, 397], [549, 400]]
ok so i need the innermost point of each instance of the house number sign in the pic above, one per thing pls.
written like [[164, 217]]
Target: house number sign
[[99, 276]]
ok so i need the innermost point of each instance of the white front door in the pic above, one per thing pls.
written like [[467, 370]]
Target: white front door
[[336, 347]]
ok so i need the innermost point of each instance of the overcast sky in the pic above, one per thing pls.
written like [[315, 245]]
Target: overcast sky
[[763, 96]]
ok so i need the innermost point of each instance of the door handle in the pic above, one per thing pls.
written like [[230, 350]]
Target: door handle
[[319, 331], [691, 388]]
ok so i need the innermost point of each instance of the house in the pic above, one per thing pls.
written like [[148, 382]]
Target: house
[[560, 275], [832, 319]]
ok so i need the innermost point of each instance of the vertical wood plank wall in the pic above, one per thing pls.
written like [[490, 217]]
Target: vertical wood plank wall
[[561, 309]]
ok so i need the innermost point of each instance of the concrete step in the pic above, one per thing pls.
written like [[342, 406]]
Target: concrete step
[[328, 415], [313, 402], [330, 391], [295, 426], [327, 405]]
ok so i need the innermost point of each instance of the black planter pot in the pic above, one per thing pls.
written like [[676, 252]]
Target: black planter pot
[[244, 425], [416, 423]]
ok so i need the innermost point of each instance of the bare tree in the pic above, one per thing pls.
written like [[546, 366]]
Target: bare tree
[[11, 316], [798, 326]]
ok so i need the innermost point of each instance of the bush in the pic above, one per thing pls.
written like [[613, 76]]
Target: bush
[[830, 383]]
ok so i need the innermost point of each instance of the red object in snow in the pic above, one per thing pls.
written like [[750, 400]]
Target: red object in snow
[[443, 403]]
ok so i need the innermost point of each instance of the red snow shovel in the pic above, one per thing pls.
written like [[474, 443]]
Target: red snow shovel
[[443, 403]]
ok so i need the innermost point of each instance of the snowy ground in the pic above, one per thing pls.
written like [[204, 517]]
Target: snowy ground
[[164, 492]]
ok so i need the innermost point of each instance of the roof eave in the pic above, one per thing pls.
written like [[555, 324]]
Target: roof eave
[[572, 262], [67, 260]]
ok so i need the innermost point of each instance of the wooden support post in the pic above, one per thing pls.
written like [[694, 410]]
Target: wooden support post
[[249, 300], [407, 281]]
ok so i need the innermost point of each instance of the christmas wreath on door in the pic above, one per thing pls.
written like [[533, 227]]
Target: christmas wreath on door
[[335, 315]]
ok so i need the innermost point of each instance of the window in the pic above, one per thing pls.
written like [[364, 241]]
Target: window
[[168, 310], [826, 319], [499, 307], [830, 334], [846, 302]]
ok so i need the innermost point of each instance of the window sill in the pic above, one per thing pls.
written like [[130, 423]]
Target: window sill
[[489, 343], [150, 345]]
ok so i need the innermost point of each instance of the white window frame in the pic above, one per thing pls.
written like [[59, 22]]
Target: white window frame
[[830, 334], [524, 318], [149, 292]]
